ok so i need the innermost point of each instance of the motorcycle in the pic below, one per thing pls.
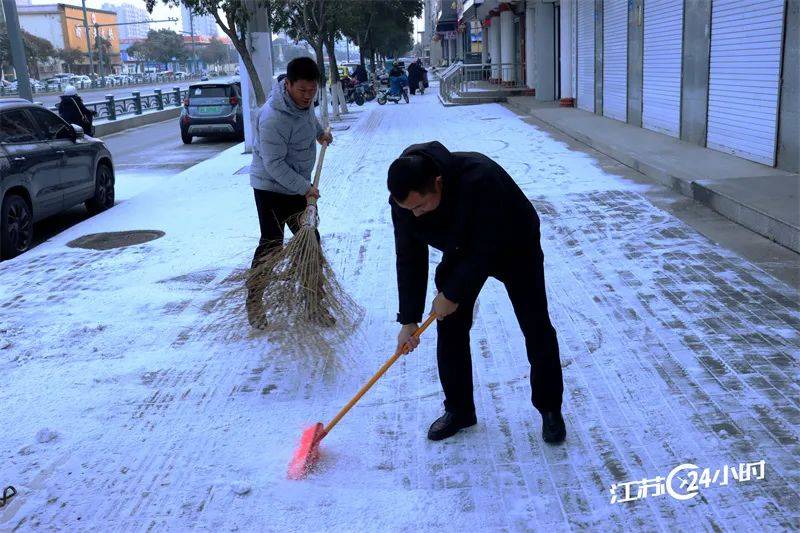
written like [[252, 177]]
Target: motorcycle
[[369, 91], [353, 91], [384, 95]]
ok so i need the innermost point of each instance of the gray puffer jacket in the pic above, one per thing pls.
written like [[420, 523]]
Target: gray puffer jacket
[[284, 148]]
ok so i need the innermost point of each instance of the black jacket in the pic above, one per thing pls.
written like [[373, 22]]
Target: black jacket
[[415, 71], [72, 110], [360, 73], [483, 222]]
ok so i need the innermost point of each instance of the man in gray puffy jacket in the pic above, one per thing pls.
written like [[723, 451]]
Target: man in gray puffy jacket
[[284, 152]]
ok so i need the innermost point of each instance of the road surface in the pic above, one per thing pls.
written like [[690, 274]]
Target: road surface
[[143, 157], [99, 95]]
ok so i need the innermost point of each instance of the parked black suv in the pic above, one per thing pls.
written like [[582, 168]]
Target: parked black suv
[[212, 109], [46, 166]]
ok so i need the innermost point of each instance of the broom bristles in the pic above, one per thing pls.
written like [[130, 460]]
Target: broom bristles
[[302, 295]]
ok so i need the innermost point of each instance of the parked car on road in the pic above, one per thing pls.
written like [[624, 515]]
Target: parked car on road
[[63, 79], [46, 166], [36, 85], [55, 84], [212, 109]]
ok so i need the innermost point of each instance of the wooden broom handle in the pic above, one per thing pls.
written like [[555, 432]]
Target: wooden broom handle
[[313, 201], [378, 374]]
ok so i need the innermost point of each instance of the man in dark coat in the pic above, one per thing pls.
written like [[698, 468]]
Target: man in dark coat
[[467, 206], [360, 74], [415, 71], [72, 109]]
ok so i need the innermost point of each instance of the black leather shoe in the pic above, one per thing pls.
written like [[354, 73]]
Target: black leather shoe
[[449, 424], [553, 429]]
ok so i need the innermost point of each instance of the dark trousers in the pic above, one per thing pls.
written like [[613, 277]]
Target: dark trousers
[[275, 211], [523, 277]]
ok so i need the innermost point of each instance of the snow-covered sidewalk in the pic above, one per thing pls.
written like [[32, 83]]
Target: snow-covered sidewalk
[[133, 395]]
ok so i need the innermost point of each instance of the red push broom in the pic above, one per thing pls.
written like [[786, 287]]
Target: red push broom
[[307, 455]]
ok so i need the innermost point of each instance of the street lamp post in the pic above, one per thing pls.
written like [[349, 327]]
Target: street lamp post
[[99, 46], [88, 41], [17, 50], [194, 53]]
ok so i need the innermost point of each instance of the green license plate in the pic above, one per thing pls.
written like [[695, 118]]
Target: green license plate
[[210, 109]]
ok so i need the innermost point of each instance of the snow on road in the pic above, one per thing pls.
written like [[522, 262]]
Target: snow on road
[[133, 396]]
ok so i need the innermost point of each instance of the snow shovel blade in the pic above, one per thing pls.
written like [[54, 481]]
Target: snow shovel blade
[[307, 454]]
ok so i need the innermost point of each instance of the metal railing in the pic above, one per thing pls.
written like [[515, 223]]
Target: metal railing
[[103, 83], [448, 81], [464, 80], [113, 108]]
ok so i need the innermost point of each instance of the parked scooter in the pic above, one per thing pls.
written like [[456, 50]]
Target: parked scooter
[[353, 92], [385, 95], [369, 91]]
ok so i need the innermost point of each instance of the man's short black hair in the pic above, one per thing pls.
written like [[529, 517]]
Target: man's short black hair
[[302, 68], [412, 173]]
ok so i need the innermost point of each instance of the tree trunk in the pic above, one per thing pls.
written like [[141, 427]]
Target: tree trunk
[[318, 51], [330, 45], [255, 81], [362, 58], [252, 73], [334, 77], [336, 86]]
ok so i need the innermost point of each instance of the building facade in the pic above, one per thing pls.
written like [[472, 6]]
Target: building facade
[[203, 25], [63, 26], [721, 74], [132, 20]]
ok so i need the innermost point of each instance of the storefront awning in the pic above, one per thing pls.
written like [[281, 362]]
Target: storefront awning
[[448, 17], [443, 26], [471, 8]]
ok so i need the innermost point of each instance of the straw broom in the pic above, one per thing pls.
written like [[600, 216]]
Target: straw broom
[[305, 307]]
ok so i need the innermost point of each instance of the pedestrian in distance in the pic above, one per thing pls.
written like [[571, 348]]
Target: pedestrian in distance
[[284, 151], [72, 109], [415, 75], [397, 80], [360, 74], [467, 206]]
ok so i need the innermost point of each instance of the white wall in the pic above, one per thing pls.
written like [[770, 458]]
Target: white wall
[[530, 57], [544, 50], [44, 25], [436, 53], [567, 54]]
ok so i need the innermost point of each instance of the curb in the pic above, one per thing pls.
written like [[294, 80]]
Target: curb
[[779, 231], [471, 100], [126, 123]]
